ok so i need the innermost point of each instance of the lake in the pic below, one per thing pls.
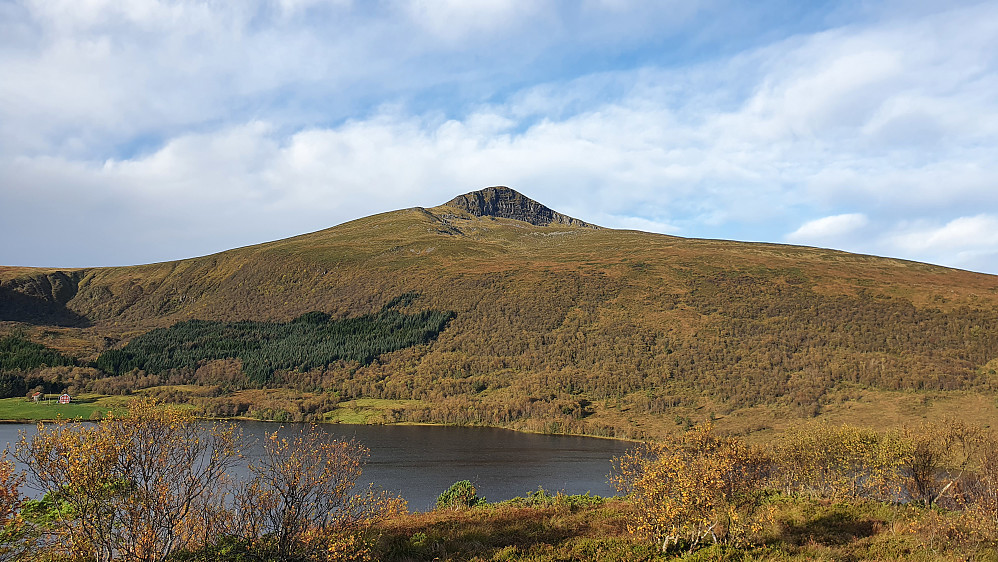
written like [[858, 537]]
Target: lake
[[420, 462]]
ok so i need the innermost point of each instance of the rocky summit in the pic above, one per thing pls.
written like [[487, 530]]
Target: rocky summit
[[505, 203]]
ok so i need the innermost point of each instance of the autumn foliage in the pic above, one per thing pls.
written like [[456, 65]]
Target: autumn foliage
[[12, 539], [134, 487], [155, 484], [700, 488], [301, 498], [694, 487], [838, 462]]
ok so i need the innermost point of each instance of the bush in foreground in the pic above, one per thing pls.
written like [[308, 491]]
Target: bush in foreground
[[154, 485], [685, 493], [694, 487], [461, 494]]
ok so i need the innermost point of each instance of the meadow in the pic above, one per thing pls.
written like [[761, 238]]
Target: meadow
[[82, 407]]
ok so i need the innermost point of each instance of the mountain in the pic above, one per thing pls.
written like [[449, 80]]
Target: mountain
[[559, 325]]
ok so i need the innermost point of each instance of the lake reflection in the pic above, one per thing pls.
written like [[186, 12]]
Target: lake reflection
[[419, 462]]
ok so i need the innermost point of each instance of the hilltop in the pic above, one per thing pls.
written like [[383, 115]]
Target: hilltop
[[504, 203], [557, 324]]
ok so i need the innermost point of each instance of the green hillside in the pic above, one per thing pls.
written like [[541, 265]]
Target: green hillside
[[562, 326]]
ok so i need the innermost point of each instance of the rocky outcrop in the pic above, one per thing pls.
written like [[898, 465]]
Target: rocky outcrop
[[503, 202]]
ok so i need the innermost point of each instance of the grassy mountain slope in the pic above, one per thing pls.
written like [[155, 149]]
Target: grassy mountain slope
[[568, 327]]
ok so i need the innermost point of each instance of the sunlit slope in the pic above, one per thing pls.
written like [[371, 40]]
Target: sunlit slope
[[550, 318]]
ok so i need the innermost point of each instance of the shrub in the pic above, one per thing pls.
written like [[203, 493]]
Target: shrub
[[461, 494], [927, 464], [302, 486], [543, 498], [692, 487], [13, 537], [840, 462], [143, 485]]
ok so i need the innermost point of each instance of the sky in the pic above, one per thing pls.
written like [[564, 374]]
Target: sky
[[138, 131]]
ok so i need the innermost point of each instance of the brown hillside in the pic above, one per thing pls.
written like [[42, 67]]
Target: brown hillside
[[561, 326]]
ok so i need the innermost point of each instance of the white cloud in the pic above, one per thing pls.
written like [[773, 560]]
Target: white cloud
[[969, 242], [826, 229], [88, 78], [886, 130], [457, 19], [636, 223], [979, 231]]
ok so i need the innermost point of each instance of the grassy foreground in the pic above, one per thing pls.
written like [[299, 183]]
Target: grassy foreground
[[545, 528], [558, 529]]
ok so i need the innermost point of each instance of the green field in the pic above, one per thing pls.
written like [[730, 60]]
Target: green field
[[82, 407], [365, 410]]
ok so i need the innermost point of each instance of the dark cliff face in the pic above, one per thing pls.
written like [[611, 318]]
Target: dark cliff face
[[503, 202], [41, 299]]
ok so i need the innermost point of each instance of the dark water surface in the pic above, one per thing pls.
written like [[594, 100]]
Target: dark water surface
[[421, 461]]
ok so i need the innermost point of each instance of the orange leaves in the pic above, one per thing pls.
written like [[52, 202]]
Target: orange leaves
[[302, 489], [154, 482], [12, 527], [136, 487], [926, 464], [10, 495], [951, 464]]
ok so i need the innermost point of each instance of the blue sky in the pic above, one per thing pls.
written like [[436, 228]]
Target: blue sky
[[134, 131]]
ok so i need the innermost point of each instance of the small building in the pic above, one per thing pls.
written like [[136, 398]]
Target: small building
[[37, 397], [64, 399]]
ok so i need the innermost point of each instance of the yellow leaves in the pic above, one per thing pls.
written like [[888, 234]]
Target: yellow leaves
[[689, 486], [302, 489], [10, 494], [924, 464], [142, 484], [840, 461]]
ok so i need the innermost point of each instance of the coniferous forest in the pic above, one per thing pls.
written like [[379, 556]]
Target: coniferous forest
[[310, 341]]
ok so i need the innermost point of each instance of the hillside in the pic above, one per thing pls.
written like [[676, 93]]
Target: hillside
[[559, 325]]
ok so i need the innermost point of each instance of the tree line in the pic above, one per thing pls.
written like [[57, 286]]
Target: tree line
[[19, 355]]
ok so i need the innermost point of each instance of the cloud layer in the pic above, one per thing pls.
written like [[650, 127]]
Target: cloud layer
[[141, 131]]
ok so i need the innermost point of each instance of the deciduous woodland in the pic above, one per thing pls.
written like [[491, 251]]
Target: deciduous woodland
[[493, 309], [155, 485]]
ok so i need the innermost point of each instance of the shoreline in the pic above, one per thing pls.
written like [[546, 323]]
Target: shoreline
[[26, 421]]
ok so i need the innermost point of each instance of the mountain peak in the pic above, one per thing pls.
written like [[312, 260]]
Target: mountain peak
[[503, 202]]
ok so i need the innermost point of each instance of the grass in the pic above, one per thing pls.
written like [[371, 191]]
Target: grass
[[85, 406], [800, 529], [509, 532], [759, 425], [365, 410]]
